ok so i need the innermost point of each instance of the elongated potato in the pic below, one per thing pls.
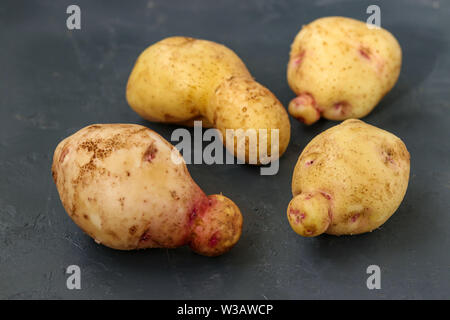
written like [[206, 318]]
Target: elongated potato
[[348, 180], [340, 69], [179, 80], [128, 188]]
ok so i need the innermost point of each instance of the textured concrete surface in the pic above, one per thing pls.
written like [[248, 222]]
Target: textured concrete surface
[[54, 82]]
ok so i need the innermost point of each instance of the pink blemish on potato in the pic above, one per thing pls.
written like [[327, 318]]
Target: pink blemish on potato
[[380, 65], [296, 215], [342, 107], [212, 201], [367, 54], [364, 52], [150, 153], [297, 60], [214, 240], [304, 99], [200, 207], [388, 156], [145, 237], [355, 217], [193, 215], [389, 159], [304, 108], [300, 217], [293, 213], [326, 195], [308, 163]]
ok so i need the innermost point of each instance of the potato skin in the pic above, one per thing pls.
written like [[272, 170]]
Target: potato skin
[[340, 69], [119, 184], [349, 179], [179, 79]]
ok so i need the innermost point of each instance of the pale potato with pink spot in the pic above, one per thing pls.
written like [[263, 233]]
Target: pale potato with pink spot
[[348, 180], [128, 188], [342, 67]]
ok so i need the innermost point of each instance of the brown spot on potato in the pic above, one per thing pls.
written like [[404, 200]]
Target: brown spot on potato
[[187, 40], [122, 201], [132, 230], [112, 234], [387, 186], [388, 155], [86, 216], [100, 149], [54, 175], [174, 195]]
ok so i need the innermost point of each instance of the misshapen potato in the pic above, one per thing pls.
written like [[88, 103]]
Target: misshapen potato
[[179, 80], [128, 188], [340, 69], [348, 180]]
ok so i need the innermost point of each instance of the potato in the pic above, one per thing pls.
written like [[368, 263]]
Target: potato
[[340, 69], [128, 188], [179, 80], [348, 180]]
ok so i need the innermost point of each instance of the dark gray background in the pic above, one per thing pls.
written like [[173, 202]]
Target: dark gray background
[[54, 82]]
